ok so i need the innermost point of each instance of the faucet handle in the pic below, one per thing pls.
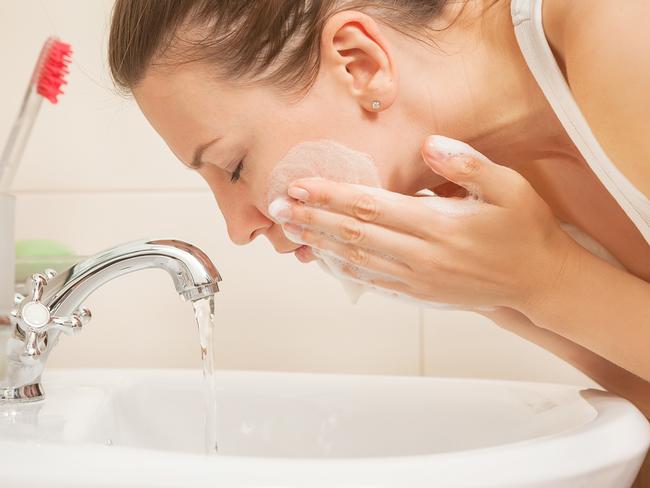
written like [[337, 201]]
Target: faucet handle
[[34, 318], [73, 323], [38, 283]]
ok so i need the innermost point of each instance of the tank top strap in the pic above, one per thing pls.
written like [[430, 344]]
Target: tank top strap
[[529, 31]]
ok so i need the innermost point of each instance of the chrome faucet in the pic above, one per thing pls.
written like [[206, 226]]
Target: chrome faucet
[[53, 304]]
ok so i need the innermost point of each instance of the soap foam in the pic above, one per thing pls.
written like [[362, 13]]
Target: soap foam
[[325, 159], [333, 161]]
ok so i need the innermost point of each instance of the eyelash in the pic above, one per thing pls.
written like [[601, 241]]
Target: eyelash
[[234, 177]]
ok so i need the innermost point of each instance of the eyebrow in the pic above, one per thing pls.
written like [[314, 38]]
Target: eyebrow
[[198, 154]]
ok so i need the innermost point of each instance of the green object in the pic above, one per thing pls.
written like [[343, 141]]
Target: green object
[[41, 247], [37, 255]]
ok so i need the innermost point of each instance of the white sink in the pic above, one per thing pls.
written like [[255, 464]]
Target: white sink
[[146, 428]]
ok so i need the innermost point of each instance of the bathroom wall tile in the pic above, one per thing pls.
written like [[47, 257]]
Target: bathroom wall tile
[[465, 344], [92, 139], [273, 313]]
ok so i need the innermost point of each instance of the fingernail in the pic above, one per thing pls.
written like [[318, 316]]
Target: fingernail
[[280, 210], [298, 193], [442, 148]]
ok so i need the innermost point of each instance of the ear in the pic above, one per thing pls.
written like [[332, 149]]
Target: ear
[[356, 53]]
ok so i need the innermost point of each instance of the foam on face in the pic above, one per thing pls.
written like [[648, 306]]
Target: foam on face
[[333, 161], [325, 159]]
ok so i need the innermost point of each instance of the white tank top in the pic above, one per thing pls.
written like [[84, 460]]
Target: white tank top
[[527, 20]]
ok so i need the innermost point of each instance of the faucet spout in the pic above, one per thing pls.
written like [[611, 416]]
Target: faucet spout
[[55, 300], [190, 269]]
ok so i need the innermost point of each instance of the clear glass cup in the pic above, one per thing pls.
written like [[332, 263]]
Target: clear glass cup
[[7, 254]]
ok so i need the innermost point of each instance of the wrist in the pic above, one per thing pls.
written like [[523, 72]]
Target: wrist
[[552, 280]]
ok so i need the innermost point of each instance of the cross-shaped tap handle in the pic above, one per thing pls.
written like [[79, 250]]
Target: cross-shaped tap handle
[[34, 318]]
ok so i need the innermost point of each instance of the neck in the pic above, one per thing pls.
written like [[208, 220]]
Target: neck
[[481, 91], [512, 120]]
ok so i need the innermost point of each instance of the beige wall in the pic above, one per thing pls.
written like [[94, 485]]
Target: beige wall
[[95, 175]]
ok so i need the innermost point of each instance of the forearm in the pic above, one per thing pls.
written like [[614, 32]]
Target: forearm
[[601, 308], [610, 376]]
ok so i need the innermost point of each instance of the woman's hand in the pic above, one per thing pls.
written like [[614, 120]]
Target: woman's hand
[[506, 250]]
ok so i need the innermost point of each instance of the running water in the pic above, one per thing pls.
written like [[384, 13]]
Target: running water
[[204, 313]]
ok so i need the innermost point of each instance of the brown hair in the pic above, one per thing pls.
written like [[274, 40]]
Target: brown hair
[[274, 41]]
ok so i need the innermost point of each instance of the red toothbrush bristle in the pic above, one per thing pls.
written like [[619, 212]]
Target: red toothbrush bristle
[[53, 70]]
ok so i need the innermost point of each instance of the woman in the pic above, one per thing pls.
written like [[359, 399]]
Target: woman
[[231, 86]]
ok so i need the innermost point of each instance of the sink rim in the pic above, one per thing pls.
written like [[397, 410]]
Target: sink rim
[[615, 418], [608, 407]]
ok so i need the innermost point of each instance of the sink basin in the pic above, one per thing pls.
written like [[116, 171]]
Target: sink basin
[[146, 428]]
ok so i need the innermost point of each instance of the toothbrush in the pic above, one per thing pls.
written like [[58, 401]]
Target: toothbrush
[[46, 82]]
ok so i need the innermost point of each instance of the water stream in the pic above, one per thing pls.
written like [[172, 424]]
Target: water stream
[[204, 313]]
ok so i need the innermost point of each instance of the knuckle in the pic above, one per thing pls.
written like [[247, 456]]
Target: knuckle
[[315, 240], [322, 198], [309, 236], [365, 208], [357, 256], [305, 215], [469, 166], [351, 231]]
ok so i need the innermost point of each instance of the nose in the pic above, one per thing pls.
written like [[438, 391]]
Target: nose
[[246, 224], [244, 220]]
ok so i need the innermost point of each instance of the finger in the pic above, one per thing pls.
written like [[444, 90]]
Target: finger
[[348, 253], [305, 255], [401, 288], [382, 240], [368, 204], [462, 164], [397, 287]]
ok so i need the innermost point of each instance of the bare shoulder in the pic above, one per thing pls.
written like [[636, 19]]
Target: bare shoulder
[[604, 49]]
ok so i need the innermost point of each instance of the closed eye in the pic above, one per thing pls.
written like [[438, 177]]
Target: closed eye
[[235, 175]]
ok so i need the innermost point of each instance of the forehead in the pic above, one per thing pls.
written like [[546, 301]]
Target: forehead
[[183, 91], [187, 106]]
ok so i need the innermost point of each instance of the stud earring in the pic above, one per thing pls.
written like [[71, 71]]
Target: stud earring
[[376, 105]]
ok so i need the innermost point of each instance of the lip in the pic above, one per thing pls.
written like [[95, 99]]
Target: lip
[[291, 251]]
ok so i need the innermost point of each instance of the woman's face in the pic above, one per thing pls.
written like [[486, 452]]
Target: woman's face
[[239, 133]]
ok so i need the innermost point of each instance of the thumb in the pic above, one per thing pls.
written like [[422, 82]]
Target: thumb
[[465, 166]]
